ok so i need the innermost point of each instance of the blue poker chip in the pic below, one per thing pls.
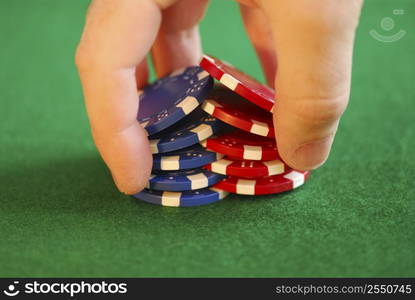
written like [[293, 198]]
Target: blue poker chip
[[193, 129], [188, 158], [182, 199], [171, 98], [186, 180]]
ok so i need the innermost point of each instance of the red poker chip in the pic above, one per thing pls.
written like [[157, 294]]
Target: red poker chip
[[247, 168], [243, 145], [264, 186], [239, 82], [233, 109]]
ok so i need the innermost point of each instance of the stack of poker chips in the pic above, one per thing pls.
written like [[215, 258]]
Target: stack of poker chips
[[170, 112], [251, 163], [211, 139]]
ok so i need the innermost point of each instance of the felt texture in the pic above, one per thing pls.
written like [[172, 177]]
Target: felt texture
[[61, 215]]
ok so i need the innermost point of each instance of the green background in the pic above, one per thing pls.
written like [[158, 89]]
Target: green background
[[60, 214]]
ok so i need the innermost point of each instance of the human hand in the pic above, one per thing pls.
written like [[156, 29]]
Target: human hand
[[312, 41], [111, 59]]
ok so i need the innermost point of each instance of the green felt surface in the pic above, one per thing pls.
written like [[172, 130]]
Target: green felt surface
[[60, 214]]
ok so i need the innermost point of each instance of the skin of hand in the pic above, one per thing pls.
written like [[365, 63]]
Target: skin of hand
[[309, 43]]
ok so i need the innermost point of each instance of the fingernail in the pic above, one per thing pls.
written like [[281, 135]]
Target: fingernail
[[312, 155]]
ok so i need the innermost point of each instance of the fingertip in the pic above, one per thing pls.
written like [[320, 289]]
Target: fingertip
[[308, 156], [131, 185], [130, 160]]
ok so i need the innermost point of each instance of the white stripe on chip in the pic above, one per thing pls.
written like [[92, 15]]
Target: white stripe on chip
[[222, 194], [297, 178], [188, 105], [198, 181], [203, 131], [252, 152], [220, 166], [170, 162], [209, 106], [153, 146], [170, 198], [245, 187], [229, 81], [259, 128], [274, 166]]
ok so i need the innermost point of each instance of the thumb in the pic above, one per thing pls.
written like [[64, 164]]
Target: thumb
[[314, 51]]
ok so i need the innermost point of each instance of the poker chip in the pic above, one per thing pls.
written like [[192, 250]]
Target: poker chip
[[263, 186], [247, 168], [182, 199], [186, 180], [171, 98], [243, 145], [239, 82], [196, 127], [232, 109], [188, 158]]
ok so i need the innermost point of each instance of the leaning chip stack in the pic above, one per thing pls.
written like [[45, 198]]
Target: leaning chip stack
[[171, 114], [251, 163], [211, 139]]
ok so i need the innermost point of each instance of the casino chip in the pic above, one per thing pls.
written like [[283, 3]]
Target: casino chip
[[239, 82], [266, 185], [186, 180], [243, 145], [188, 158], [196, 127], [171, 98], [231, 108], [247, 168], [182, 199]]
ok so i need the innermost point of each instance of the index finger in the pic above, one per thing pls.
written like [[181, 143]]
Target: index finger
[[116, 38]]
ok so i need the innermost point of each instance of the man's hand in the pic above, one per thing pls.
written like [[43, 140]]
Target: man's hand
[[311, 41], [111, 60]]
